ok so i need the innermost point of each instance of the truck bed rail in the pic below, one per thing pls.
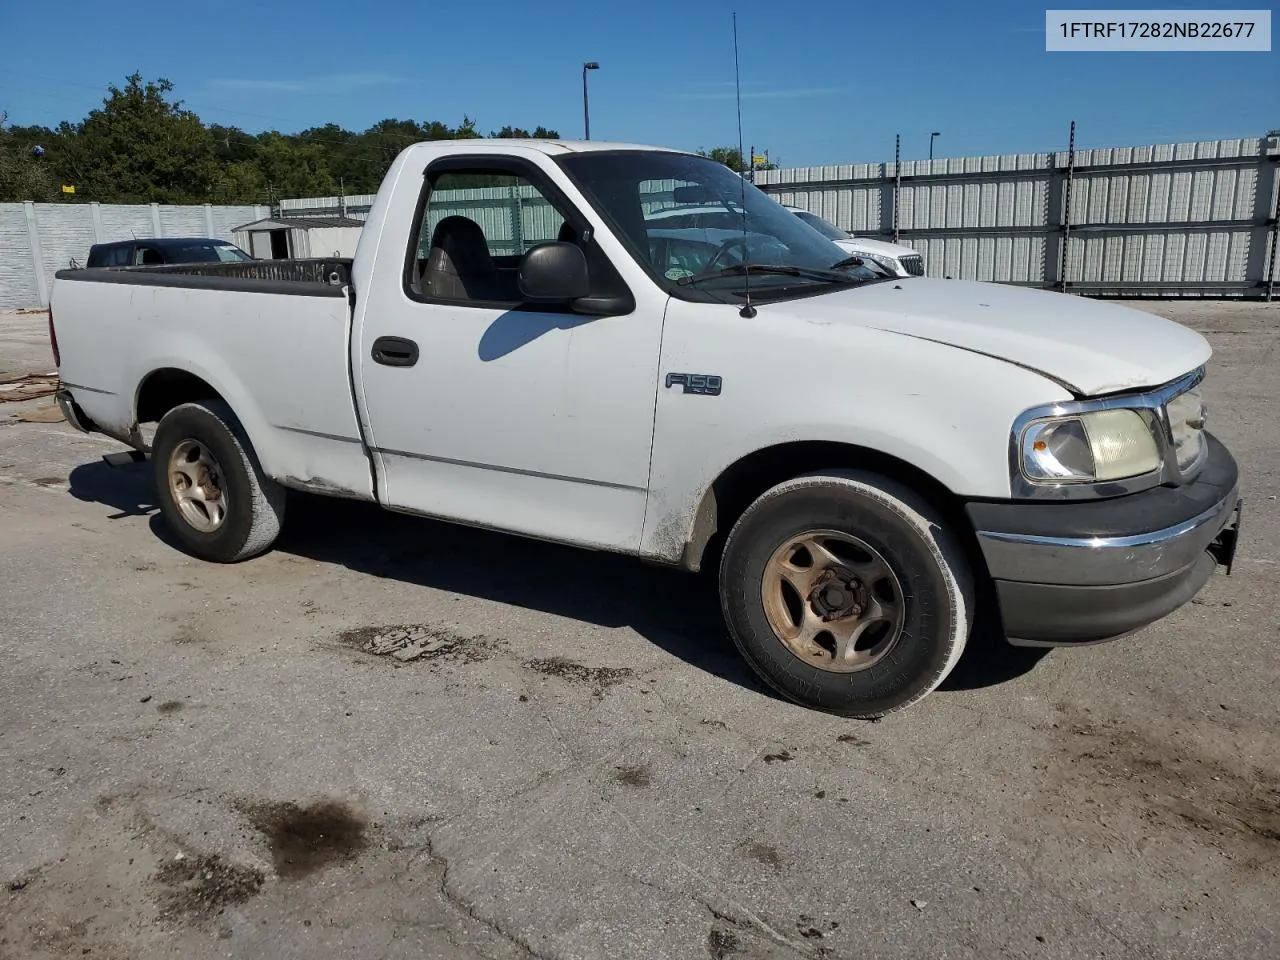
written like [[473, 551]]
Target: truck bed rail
[[328, 270], [315, 277]]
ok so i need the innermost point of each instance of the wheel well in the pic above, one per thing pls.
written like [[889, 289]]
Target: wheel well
[[743, 482], [165, 389]]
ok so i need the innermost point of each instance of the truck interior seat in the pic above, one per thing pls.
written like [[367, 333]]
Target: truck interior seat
[[460, 266], [568, 233]]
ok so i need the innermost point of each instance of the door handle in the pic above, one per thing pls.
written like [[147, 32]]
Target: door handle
[[395, 352]]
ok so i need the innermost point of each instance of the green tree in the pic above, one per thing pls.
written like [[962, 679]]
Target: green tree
[[139, 147], [351, 162], [232, 145], [142, 146], [23, 175], [241, 181], [519, 133], [732, 158], [293, 169]]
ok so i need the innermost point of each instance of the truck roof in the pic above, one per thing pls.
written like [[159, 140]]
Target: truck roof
[[163, 242], [549, 147]]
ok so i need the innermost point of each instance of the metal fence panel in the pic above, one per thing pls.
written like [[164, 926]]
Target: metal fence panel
[[355, 206], [1164, 219]]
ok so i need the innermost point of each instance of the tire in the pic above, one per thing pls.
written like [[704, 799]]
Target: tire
[[204, 466], [901, 593]]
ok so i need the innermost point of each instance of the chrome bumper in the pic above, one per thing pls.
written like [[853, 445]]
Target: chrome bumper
[[1084, 571], [71, 411], [1104, 561]]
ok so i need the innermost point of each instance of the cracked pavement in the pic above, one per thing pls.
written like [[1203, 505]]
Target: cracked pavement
[[571, 762]]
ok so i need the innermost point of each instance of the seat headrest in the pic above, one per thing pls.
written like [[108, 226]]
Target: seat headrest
[[463, 243]]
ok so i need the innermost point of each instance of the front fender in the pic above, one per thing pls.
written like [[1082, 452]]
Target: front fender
[[943, 411]]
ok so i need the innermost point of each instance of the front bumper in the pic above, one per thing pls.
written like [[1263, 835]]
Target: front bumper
[[1084, 571]]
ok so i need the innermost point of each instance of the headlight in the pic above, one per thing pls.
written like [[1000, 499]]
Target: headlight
[[1098, 446], [888, 263]]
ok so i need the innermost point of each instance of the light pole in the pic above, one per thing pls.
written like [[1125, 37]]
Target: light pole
[[586, 109], [931, 136]]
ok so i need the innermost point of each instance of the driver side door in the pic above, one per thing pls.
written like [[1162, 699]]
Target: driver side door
[[487, 410]]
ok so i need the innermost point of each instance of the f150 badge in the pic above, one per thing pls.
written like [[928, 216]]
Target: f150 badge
[[705, 384]]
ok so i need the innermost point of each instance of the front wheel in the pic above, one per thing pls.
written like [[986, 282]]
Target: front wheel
[[845, 592], [212, 491]]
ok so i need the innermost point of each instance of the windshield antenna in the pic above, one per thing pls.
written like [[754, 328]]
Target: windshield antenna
[[747, 311]]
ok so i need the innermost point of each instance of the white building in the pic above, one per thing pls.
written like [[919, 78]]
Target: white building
[[278, 238]]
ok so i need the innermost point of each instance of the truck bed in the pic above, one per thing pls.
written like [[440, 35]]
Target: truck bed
[[271, 337]]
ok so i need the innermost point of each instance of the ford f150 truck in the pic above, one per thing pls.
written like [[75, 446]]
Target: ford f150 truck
[[863, 459]]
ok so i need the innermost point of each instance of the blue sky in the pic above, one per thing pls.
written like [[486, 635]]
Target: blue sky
[[823, 81]]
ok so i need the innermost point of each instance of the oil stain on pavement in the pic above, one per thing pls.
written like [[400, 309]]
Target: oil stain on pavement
[[306, 839]]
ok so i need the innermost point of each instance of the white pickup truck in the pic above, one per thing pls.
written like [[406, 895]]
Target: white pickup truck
[[520, 344]]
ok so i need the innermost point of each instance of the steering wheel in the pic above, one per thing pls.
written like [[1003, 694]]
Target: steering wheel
[[725, 248]]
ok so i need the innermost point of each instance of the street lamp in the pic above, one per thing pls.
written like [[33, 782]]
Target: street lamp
[[931, 136], [586, 110]]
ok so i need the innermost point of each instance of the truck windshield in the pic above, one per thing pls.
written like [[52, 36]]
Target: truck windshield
[[230, 253], [684, 216]]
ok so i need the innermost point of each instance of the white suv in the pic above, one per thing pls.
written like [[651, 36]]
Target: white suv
[[894, 257]]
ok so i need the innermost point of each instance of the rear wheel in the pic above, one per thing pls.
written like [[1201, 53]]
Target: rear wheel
[[212, 490], [845, 592]]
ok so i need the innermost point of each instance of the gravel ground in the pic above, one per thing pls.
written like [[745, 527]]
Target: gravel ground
[[394, 738], [24, 343]]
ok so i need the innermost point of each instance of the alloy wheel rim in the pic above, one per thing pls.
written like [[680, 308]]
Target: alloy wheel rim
[[833, 600], [196, 485]]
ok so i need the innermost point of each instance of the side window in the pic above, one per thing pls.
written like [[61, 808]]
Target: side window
[[147, 257], [476, 226]]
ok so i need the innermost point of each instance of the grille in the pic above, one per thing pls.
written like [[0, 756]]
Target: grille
[[1186, 414], [914, 265]]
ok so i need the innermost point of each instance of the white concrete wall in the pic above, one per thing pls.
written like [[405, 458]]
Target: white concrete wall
[[39, 239]]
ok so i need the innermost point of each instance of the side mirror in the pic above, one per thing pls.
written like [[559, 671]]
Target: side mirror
[[553, 272]]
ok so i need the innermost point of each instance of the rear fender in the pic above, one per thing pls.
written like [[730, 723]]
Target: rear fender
[[225, 384]]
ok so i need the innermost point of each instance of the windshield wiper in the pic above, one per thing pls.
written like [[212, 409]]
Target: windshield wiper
[[742, 269], [861, 260], [856, 260]]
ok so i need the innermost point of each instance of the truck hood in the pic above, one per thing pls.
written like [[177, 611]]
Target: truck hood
[[1088, 346]]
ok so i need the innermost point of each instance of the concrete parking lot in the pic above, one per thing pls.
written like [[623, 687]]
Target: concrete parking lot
[[394, 738]]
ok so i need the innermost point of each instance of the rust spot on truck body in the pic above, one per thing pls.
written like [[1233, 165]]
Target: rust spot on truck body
[[321, 486]]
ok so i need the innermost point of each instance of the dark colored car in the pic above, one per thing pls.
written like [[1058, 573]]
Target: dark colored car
[[151, 251]]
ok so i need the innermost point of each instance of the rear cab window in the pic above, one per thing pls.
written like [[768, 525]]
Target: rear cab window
[[113, 255]]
